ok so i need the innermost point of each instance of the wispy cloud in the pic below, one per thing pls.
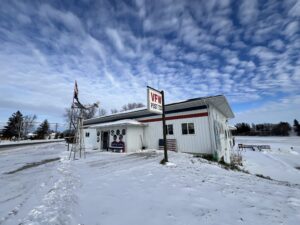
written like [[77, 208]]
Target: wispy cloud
[[248, 11], [285, 109], [247, 50]]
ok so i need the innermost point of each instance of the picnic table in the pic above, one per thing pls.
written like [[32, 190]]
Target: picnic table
[[254, 147]]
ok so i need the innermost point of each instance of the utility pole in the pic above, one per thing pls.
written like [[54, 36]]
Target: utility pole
[[19, 128]]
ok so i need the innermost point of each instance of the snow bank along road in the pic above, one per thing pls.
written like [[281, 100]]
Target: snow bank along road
[[112, 188], [4, 145]]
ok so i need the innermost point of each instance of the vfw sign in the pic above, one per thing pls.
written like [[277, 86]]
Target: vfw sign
[[154, 101]]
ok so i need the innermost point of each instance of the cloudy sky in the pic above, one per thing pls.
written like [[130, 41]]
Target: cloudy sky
[[247, 50]]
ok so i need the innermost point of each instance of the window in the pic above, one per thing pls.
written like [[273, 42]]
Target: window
[[169, 129], [184, 128], [188, 128], [191, 128], [87, 134]]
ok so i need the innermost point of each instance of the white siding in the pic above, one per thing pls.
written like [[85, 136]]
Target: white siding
[[203, 141], [193, 143], [91, 141], [134, 135], [224, 148], [132, 138]]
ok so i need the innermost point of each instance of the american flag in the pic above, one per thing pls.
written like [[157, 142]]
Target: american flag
[[76, 90]]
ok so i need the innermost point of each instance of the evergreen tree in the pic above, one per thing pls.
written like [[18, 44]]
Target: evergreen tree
[[43, 129], [14, 126], [242, 129], [281, 129], [297, 127]]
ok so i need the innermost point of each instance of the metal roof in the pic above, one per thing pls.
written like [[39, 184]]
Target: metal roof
[[219, 101]]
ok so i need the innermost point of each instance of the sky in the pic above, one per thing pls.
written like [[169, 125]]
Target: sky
[[247, 50]]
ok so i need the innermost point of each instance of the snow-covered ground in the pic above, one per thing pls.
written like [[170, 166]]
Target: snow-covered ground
[[22, 190], [279, 163], [112, 188]]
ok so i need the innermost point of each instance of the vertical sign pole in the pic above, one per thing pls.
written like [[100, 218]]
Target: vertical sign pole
[[164, 127]]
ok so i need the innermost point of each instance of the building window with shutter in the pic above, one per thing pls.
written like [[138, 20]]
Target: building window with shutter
[[87, 134], [187, 128]]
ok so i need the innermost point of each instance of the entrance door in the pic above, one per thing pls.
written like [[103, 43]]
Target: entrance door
[[105, 140]]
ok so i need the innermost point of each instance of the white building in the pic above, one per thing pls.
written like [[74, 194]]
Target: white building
[[197, 125]]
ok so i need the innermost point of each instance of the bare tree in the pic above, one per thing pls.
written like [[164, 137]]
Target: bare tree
[[130, 106], [102, 112], [86, 114], [68, 115], [113, 111], [28, 123], [90, 112]]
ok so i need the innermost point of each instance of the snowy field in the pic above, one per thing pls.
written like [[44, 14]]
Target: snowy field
[[112, 188], [279, 163]]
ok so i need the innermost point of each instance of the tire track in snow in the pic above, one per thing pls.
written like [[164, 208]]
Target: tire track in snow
[[117, 163], [24, 194], [57, 204]]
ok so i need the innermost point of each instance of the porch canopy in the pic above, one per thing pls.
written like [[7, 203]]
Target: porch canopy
[[118, 123]]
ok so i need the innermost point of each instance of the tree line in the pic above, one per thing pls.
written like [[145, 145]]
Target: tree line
[[92, 112], [19, 126], [267, 129], [126, 107]]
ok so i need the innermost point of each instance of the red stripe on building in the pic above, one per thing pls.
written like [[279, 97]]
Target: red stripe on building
[[176, 117]]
